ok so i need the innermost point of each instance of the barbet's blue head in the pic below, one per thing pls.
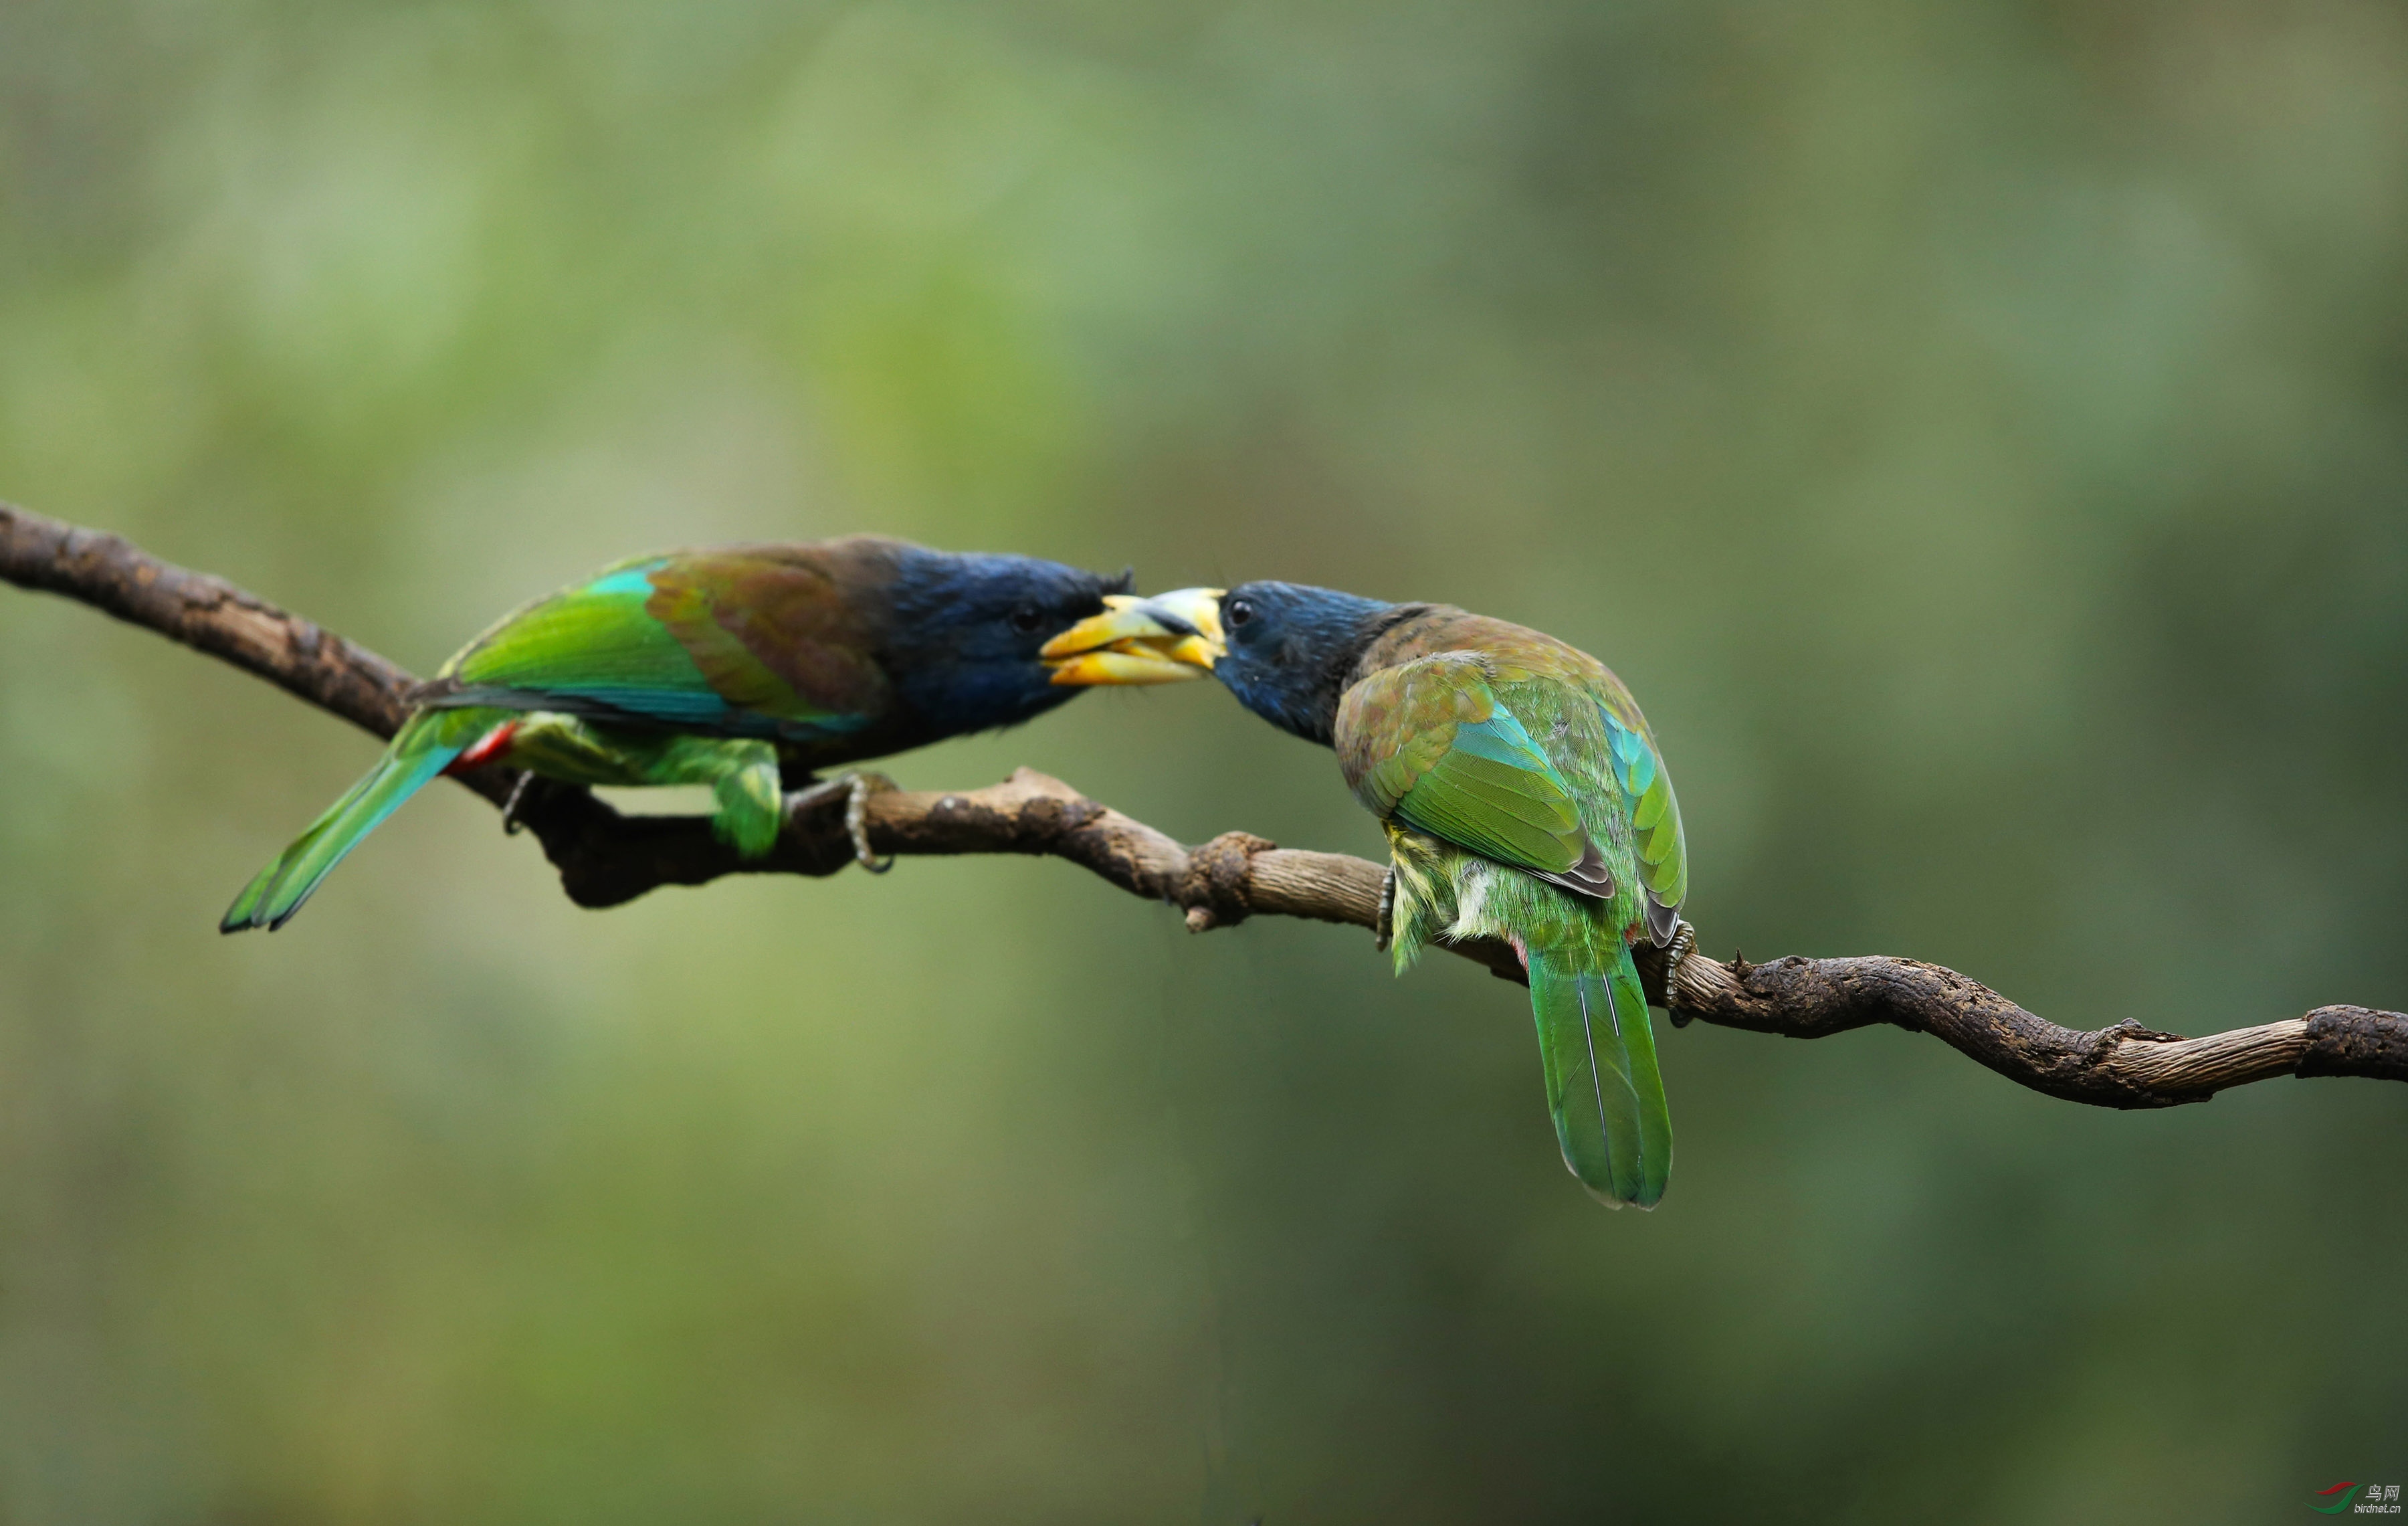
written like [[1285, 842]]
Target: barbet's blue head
[[1291, 649], [966, 629]]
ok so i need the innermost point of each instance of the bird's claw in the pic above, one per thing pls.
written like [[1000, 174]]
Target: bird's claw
[[856, 788], [1684, 944], [511, 825], [1385, 930]]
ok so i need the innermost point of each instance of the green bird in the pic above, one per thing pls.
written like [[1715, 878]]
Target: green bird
[[1523, 796], [734, 666]]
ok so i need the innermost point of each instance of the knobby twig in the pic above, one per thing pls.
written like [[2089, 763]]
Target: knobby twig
[[606, 858]]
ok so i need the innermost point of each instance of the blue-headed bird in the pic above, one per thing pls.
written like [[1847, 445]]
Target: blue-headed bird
[[1523, 796], [733, 667]]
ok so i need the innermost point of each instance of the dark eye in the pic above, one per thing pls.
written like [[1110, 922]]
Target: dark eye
[[1238, 612], [1026, 619]]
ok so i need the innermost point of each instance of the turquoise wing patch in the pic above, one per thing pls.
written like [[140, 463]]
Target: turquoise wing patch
[[1654, 814]]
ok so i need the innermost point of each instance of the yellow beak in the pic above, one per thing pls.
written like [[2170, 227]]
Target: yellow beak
[[1164, 640]]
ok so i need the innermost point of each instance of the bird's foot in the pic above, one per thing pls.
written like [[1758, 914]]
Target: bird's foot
[[1385, 930], [856, 788], [511, 825], [1684, 944]]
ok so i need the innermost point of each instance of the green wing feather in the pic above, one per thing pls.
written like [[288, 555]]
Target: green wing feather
[[1428, 745], [1655, 840], [728, 641]]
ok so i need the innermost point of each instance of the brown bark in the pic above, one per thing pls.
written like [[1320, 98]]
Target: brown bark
[[606, 858]]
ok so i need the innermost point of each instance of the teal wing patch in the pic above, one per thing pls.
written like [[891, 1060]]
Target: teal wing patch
[[1428, 745], [1655, 819]]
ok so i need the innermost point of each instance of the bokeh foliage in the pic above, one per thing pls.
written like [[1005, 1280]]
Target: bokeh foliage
[[1977, 430]]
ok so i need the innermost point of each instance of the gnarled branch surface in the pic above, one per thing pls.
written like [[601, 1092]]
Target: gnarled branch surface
[[606, 858]]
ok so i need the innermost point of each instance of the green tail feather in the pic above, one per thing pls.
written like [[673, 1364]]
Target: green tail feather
[[1602, 1085], [423, 747]]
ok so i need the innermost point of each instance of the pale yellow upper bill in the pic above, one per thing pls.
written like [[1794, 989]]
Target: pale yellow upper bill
[[1127, 644]]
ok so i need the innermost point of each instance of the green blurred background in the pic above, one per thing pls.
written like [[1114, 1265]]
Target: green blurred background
[[1978, 432]]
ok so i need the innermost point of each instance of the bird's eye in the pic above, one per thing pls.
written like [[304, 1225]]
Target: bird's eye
[[1238, 612], [1026, 619]]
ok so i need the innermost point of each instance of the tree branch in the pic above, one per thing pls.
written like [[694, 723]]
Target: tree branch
[[606, 858]]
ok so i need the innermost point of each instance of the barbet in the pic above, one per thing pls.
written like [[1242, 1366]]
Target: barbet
[[1524, 796], [740, 668]]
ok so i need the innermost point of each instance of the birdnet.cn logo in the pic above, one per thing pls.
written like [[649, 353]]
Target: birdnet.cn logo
[[2358, 1499]]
